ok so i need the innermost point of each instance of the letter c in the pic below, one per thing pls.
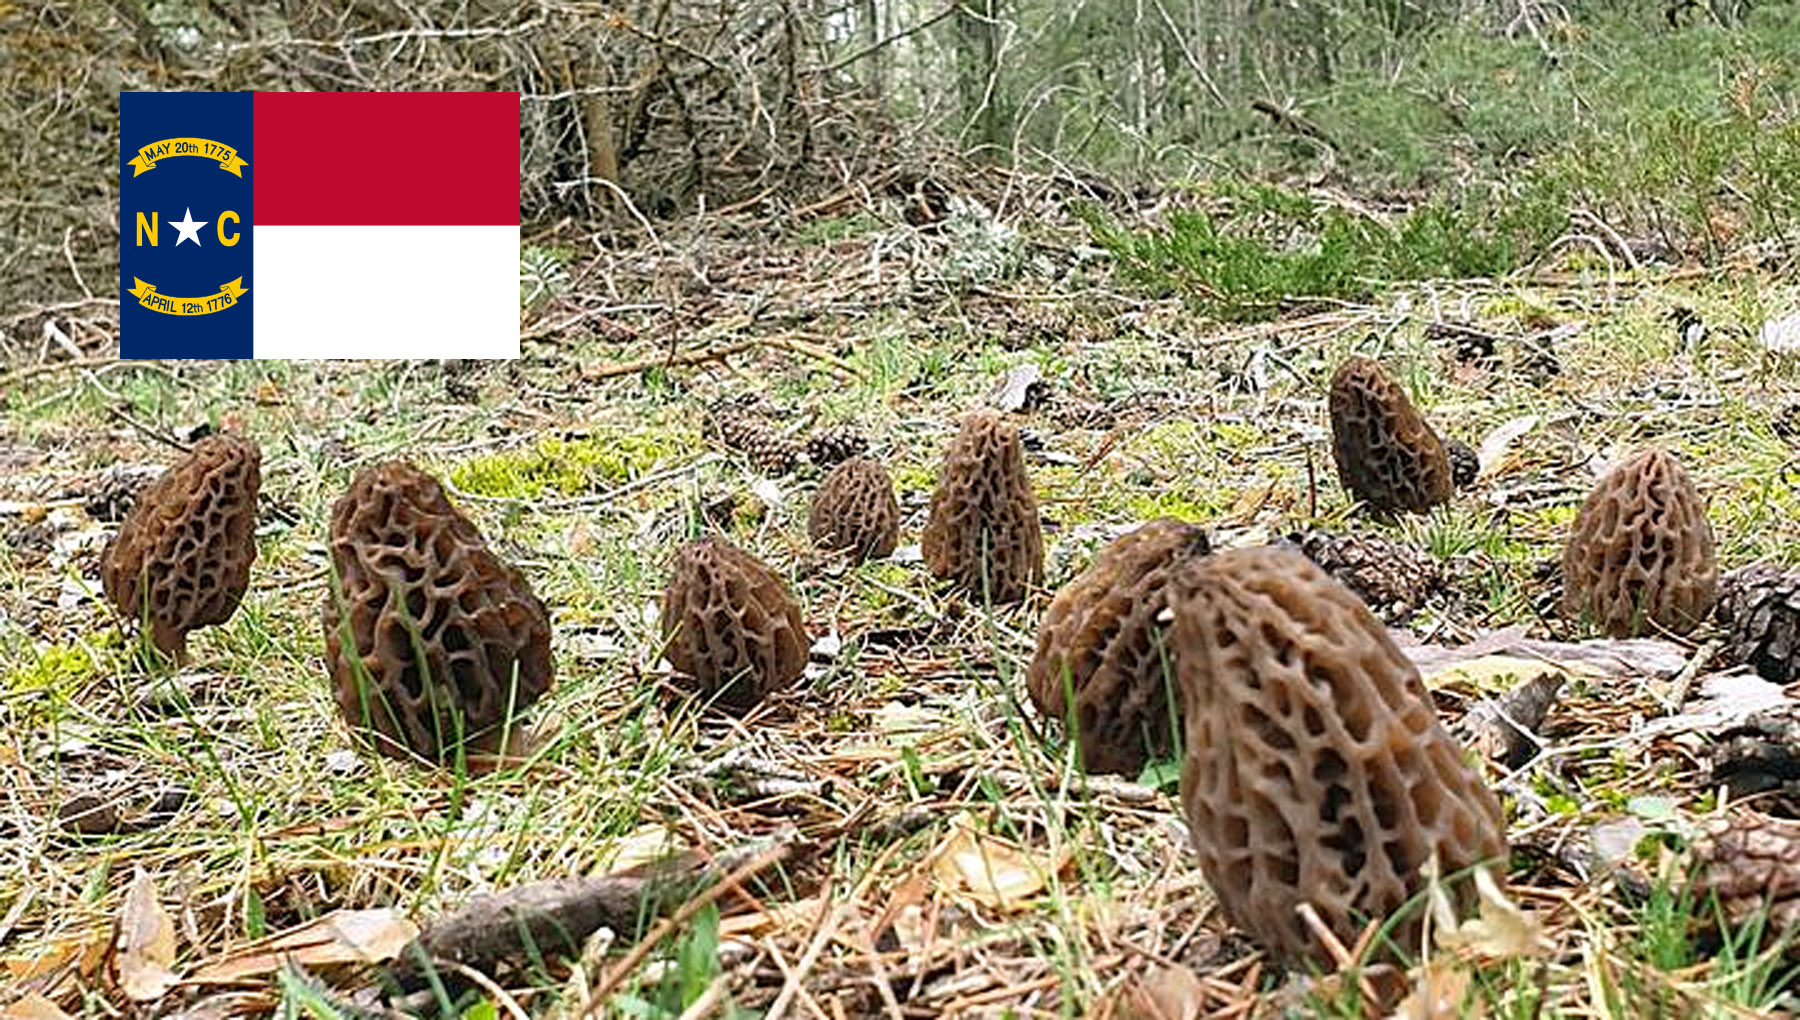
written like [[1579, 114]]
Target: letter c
[[233, 239]]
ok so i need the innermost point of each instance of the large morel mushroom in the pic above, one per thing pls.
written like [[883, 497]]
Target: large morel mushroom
[[435, 644], [730, 623], [1102, 641], [182, 557], [1640, 554], [1316, 769], [983, 532], [1387, 455], [855, 509]]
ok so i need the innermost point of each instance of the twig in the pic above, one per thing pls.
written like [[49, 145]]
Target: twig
[[635, 957]]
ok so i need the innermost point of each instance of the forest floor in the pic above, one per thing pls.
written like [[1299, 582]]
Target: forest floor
[[919, 841]]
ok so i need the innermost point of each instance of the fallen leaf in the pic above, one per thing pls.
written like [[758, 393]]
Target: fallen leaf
[[1165, 993], [1725, 699], [1500, 930], [991, 871], [1496, 443], [146, 943], [340, 937], [1438, 996], [645, 844], [1781, 336], [33, 1007], [1490, 674]]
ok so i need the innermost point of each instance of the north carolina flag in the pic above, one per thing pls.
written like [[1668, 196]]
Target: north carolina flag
[[319, 224]]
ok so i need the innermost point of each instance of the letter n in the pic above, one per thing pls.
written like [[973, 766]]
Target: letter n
[[144, 226]]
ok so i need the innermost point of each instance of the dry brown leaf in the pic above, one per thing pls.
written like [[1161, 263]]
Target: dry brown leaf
[[340, 937], [1501, 929], [1165, 993], [1439, 996], [33, 1007], [991, 871], [146, 944]]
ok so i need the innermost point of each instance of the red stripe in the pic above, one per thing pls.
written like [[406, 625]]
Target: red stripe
[[386, 159]]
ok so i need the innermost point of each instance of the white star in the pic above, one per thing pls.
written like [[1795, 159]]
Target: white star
[[187, 228]]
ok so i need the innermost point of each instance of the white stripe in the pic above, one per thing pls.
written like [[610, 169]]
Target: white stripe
[[386, 292]]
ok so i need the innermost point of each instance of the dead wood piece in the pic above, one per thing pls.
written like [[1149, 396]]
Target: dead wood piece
[[1503, 729], [1651, 658], [546, 919]]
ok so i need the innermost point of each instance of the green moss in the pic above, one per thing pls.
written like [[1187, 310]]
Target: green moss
[[61, 669], [565, 467]]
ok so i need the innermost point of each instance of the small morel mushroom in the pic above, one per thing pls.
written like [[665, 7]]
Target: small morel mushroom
[[435, 644], [983, 532], [182, 557], [730, 623], [1103, 642], [1386, 453], [1760, 609], [855, 509], [1316, 769], [1640, 553]]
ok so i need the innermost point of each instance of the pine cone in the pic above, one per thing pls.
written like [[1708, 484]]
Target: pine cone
[[1394, 580], [1752, 864], [1465, 463], [831, 447], [749, 433], [1760, 607]]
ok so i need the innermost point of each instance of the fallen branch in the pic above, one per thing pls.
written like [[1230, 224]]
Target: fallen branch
[[555, 918]]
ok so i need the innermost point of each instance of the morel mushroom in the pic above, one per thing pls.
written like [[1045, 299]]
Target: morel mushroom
[[182, 557], [435, 644], [855, 509], [1316, 769], [983, 532], [729, 622], [1103, 643], [1386, 453], [1641, 551]]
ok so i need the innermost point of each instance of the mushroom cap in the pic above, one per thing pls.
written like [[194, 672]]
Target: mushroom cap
[[855, 508], [434, 642], [1386, 454], [181, 559], [1103, 642], [729, 622], [1316, 769], [1641, 550], [983, 532]]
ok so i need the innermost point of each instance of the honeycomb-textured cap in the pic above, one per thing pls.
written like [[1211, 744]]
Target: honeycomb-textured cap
[[1102, 640], [729, 622], [434, 642], [1386, 453], [1640, 554], [182, 557], [1760, 609], [1316, 768], [983, 532], [855, 508]]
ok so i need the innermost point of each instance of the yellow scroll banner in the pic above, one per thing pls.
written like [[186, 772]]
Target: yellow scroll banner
[[229, 160], [226, 297]]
